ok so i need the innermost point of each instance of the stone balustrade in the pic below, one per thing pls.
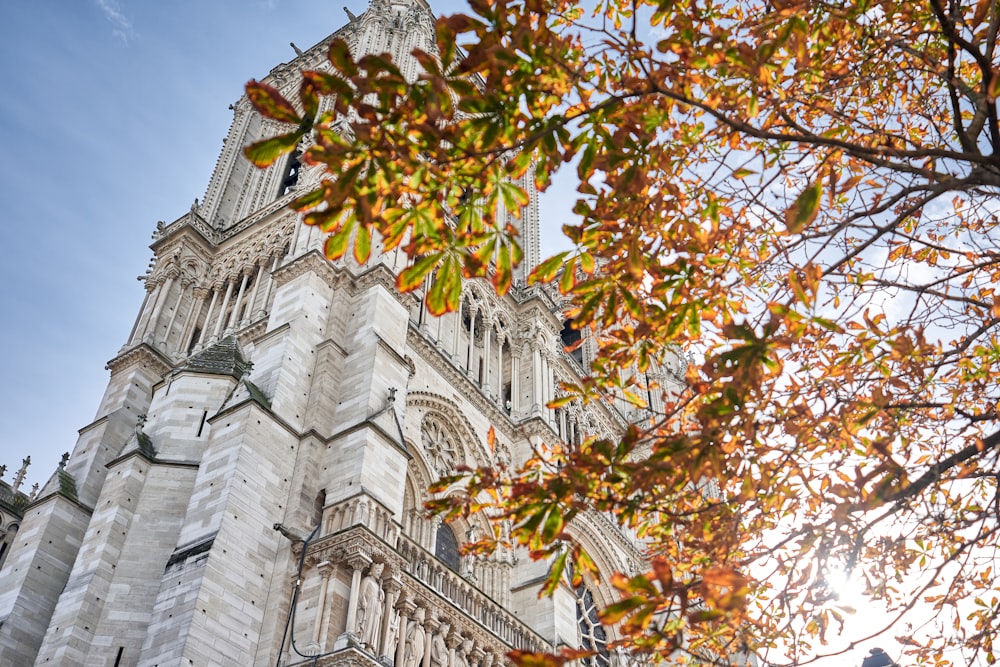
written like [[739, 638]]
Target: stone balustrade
[[426, 570]]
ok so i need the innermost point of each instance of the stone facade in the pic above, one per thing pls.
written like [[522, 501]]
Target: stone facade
[[251, 492]]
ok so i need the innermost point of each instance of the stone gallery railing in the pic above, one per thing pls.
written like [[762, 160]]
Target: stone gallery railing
[[432, 573]]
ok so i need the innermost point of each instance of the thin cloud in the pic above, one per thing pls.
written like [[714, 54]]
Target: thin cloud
[[121, 25]]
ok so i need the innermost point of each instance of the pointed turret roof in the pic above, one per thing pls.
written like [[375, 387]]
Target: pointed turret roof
[[223, 358]]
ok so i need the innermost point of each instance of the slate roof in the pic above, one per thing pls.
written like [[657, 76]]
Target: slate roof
[[222, 358]]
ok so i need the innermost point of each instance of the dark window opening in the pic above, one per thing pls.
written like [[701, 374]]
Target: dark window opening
[[573, 340], [507, 404], [319, 505], [446, 547], [292, 170]]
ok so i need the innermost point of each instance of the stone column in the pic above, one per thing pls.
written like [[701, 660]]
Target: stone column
[[270, 283], [500, 369], [326, 570], [515, 380], [536, 356], [208, 316], [430, 627], [151, 298], [405, 608], [252, 301], [358, 562], [158, 306], [487, 350], [234, 316], [173, 315], [392, 586], [453, 640], [456, 330], [551, 393], [199, 294], [142, 311], [222, 309], [472, 342]]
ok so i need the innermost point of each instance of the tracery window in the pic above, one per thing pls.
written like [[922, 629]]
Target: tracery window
[[592, 634], [439, 446]]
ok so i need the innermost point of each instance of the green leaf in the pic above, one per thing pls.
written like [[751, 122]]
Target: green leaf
[[804, 210], [514, 197], [363, 244], [504, 269], [568, 279], [340, 57], [446, 287], [264, 153], [270, 103], [412, 276], [336, 243], [614, 613], [555, 575], [553, 524], [548, 269]]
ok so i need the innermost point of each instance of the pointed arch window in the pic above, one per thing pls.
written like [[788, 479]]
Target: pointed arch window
[[292, 169], [571, 339], [446, 547]]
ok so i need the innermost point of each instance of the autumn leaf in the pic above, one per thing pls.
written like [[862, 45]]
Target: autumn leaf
[[264, 153], [269, 102], [805, 208]]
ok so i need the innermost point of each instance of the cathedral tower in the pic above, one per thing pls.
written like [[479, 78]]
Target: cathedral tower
[[275, 418]]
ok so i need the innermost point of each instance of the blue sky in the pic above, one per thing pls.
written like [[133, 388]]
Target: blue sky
[[112, 114]]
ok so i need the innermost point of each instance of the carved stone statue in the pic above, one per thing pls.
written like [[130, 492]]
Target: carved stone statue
[[462, 654], [371, 600], [439, 648], [413, 649]]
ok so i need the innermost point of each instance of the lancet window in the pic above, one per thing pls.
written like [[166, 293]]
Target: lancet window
[[446, 547]]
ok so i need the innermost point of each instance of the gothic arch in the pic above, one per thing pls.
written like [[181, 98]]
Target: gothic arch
[[478, 300], [593, 537], [416, 523], [470, 443]]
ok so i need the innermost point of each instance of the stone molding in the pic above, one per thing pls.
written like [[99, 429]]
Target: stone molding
[[310, 262], [140, 354]]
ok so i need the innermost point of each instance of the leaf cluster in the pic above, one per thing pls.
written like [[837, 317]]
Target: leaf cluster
[[802, 194]]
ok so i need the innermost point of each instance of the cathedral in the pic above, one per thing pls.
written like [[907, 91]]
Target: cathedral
[[251, 490]]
